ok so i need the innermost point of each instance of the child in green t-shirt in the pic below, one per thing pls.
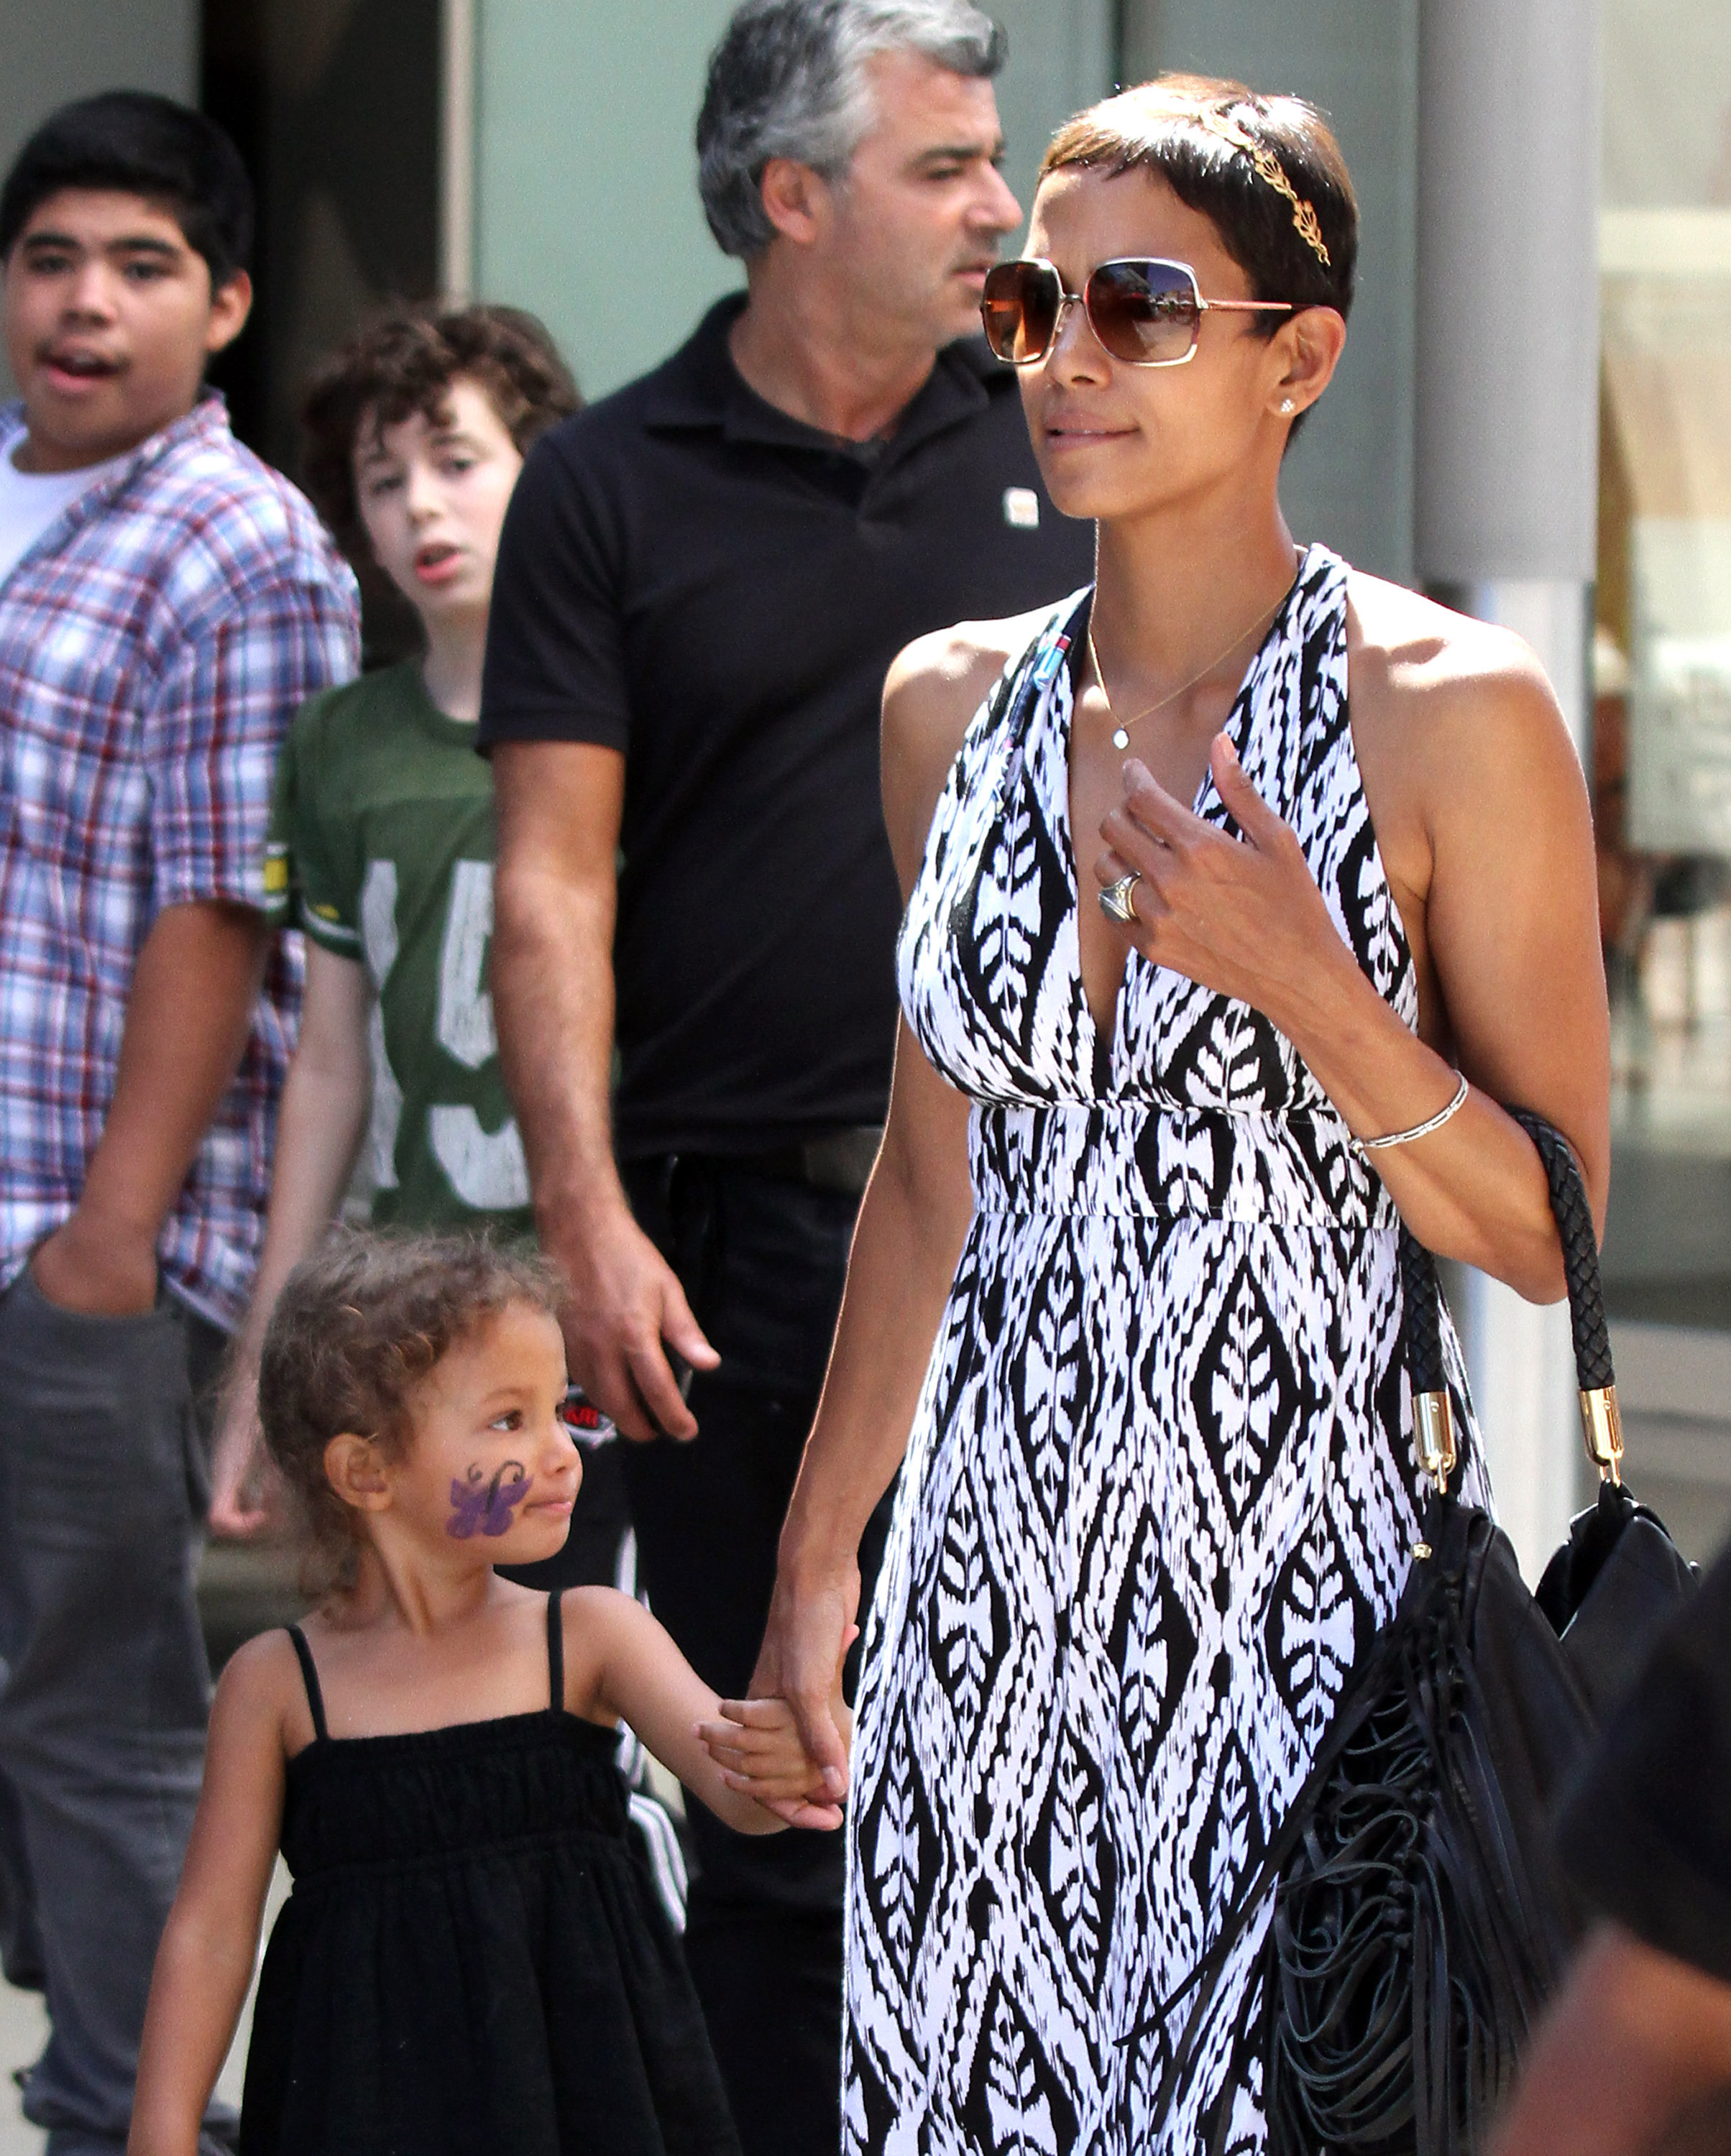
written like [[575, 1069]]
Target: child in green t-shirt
[[382, 838]]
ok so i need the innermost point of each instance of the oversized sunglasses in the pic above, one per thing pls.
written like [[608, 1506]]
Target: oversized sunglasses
[[1147, 313]]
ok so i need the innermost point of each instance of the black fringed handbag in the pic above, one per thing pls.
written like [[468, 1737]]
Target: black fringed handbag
[[1420, 1917]]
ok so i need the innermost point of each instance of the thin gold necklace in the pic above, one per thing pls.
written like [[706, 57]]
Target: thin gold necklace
[[1121, 732]]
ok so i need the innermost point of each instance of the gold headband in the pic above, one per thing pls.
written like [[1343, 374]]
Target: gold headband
[[1269, 168]]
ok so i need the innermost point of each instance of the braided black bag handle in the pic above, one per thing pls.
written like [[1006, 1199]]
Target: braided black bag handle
[[1423, 1299], [1581, 1251], [1580, 1267]]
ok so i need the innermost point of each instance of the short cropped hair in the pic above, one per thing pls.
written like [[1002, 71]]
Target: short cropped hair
[[137, 144], [357, 1326], [788, 79], [404, 363], [1266, 173]]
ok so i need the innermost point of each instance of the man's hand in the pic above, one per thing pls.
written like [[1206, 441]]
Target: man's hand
[[555, 905], [625, 1302], [100, 1269]]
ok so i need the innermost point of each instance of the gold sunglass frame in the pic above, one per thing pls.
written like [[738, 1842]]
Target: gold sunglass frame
[[1068, 299]]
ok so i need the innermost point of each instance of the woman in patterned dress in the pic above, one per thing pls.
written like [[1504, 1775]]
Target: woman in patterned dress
[[1122, 1271]]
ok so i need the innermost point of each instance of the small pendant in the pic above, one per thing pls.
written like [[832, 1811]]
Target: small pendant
[[1120, 739]]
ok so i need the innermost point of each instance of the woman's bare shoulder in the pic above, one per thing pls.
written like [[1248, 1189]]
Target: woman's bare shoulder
[[949, 664], [1468, 766], [934, 689], [1405, 645], [1467, 699]]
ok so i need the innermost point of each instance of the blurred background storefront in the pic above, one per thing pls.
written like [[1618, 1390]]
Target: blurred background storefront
[[1534, 420], [1661, 665]]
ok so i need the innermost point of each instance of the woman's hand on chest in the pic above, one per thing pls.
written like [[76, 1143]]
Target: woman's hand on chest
[[1239, 913]]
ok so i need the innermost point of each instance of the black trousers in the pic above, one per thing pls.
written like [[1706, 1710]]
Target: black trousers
[[763, 1262]]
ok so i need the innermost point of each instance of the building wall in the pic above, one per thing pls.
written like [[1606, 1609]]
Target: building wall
[[1062, 56], [74, 48], [1349, 480], [586, 206]]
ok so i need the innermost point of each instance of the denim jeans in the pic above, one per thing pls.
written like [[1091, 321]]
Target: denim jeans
[[102, 1489], [762, 1263]]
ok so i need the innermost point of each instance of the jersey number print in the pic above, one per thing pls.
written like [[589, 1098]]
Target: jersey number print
[[486, 1169]]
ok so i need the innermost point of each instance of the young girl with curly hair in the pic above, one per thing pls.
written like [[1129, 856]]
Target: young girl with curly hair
[[472, 1958]]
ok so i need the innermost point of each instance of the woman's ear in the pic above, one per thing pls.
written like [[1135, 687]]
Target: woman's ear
[[355, 1468], [1307, 349]]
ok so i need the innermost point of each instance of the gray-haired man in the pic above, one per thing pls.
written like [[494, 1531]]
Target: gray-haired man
[[703, 581]]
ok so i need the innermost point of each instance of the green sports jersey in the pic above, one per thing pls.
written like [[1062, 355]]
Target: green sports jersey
[[381, 848]]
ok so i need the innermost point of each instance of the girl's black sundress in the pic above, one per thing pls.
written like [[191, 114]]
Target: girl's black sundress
[[472, 1959]]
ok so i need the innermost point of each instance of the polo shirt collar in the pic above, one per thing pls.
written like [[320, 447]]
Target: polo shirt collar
[[701, 389]]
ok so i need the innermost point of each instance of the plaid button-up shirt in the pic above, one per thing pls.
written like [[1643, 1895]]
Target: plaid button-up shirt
[[155, 642]]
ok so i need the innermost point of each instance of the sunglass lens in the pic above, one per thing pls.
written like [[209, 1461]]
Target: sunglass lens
[[1019, 307], [1144, 313]]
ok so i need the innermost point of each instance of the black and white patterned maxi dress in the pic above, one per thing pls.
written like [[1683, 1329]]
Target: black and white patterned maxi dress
[[1160, 1490]]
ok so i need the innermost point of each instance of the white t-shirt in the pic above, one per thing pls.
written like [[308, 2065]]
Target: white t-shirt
[[30, 502]]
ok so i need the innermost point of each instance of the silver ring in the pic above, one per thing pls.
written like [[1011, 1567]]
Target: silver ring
[[1115, 901]]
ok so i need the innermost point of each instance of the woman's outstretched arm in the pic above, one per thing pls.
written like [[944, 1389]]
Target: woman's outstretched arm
[[211, 1942], [909, 1234], [909, 1237]]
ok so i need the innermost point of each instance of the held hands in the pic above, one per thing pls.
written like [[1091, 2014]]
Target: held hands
[[755, 1746], [810, 1629], [1244, 918], [762, 1749]]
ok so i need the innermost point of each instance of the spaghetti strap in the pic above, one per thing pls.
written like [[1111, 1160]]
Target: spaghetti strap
[[554, 1653], [314, 1697]]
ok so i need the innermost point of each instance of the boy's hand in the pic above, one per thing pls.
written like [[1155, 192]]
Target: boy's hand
[[97, 1270], [247, 1496], [755, 1747]]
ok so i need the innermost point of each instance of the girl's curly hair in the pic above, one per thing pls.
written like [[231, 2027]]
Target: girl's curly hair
[[357, 1326], [405, 362]]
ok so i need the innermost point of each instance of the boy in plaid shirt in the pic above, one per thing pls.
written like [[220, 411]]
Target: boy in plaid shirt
[[166, 601]]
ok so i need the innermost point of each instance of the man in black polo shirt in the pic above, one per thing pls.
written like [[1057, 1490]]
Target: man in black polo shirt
[[703, 582]]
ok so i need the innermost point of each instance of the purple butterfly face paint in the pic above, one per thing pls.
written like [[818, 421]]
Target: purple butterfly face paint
[[483, 1507]]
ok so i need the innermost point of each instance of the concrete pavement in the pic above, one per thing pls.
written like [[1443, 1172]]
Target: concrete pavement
[[24, 2032]]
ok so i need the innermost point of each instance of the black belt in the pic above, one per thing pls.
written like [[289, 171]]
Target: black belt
[[841, 1161]]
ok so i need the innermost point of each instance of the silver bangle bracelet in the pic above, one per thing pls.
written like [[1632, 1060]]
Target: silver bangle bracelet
[[1419, 1130]]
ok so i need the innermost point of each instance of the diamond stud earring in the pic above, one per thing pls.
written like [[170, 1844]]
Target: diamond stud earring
[[1286, 403]]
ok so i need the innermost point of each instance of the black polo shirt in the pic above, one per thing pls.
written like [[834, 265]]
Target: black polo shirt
[[692, 577]]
